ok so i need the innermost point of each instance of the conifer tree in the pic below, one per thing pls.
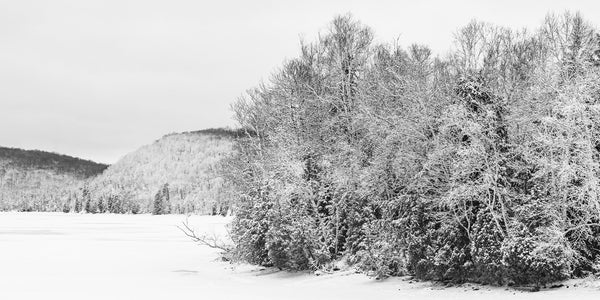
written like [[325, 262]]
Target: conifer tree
[[86, 199], [166, 200], [101, 208], [161, 204]]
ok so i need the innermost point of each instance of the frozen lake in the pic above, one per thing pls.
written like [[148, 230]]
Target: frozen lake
[[72, 256]]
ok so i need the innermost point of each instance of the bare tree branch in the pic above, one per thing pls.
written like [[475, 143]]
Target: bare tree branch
[[212, 241]]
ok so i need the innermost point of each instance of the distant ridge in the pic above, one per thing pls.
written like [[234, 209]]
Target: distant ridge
[[43, 160], [220, 132], [34, 180]]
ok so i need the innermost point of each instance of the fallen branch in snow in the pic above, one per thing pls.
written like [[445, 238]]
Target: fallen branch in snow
[[212, 241]]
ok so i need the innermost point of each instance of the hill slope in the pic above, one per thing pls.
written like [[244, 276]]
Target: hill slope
[[41, 181], [185, 163]]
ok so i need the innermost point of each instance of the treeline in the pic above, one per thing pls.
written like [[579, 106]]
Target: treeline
[[482, 165], [36, 190]]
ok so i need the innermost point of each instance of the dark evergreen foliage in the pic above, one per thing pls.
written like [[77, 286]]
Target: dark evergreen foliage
[[161, 204]]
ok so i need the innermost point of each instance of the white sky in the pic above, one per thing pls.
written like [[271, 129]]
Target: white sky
[[98, 79]]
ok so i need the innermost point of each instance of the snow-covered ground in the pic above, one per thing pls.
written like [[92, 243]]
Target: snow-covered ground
[[68, 256]]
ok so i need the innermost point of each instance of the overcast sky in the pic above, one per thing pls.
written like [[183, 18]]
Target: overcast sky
[[98, 79]]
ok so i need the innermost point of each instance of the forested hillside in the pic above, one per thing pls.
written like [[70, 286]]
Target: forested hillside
[[176, 174], [38, 180], [479, 165]]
